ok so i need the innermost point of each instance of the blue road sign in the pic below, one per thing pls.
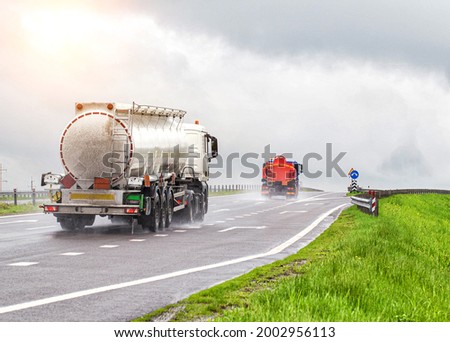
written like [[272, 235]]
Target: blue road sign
[[354, 174]]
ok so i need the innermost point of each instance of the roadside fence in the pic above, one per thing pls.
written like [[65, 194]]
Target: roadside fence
[[368, 201]]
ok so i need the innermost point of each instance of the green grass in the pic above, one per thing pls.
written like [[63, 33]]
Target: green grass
[[10, 209], [392, 268]]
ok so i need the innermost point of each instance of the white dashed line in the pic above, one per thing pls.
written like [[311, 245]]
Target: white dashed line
[[293, 211], [137, 240], [72, 253], [230, 219], [24, 263], [179, 231], [232, 228], [220, 221], [109, 246], [161, 235], [43, 227], [219, 210]]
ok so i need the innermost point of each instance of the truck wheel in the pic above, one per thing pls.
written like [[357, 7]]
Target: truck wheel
[[169, 208], [188, 212], [163, 216], [88, 220], [151, 221], [155, 215], [67, 224], [200, 216]]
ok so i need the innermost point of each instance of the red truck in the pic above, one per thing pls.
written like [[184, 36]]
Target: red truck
[[280, 177]]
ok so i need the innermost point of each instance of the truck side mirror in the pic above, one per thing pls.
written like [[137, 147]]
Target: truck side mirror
[[214, 147]]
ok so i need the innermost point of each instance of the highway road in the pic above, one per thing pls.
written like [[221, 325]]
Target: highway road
[[106, 273]]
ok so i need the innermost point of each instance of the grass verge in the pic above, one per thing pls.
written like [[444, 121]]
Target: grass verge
[[391, 268], [10, 209]]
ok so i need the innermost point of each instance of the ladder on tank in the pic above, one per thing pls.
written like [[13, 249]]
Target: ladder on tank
[[120, 141]]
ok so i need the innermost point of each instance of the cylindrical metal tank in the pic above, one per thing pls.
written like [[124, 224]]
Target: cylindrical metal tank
[[98, 143]]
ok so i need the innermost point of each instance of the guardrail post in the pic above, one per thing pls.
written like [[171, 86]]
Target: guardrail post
[[15, 196], [33, 196]]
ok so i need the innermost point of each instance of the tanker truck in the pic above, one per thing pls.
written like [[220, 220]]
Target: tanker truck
[[280, 177], [128, 162]]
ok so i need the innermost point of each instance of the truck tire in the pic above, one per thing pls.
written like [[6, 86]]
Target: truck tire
[[88, 220], [163, 215], [75, 223], [200, 215], [169, 208], [67, 224], [152, 220], [188, 212]]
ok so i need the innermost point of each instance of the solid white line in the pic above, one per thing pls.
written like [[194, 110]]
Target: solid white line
[[84, 293], [20, 221], [43, 227]]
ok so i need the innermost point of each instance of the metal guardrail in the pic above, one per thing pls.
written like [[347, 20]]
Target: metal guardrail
[[367, 205], [27, 196], [368, 201], [234, 187]]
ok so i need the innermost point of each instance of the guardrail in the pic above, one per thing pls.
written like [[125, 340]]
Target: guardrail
[[368, 201], [234, 187], [367, 205], [28, 196]]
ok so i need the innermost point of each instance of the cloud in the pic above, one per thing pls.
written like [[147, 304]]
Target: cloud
[[295, 102]]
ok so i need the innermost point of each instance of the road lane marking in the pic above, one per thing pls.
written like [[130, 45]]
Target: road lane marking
[[20, 221], [23, 264], [293, 211], [109, 246], [23, 215], [220, 221], [83, 293], [180, 231], [233, 228], [161, 235], [209, 224], [220, 210], [137, 240], [230, 219], [43, 227], [72, 253]]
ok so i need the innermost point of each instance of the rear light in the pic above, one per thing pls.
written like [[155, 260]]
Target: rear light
[[51, 208], [132, 211]]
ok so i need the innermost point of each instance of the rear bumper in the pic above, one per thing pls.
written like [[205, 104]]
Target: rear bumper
[[91, 209]]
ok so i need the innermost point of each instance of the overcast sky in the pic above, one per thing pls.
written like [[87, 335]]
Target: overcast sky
[[372, 78]]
